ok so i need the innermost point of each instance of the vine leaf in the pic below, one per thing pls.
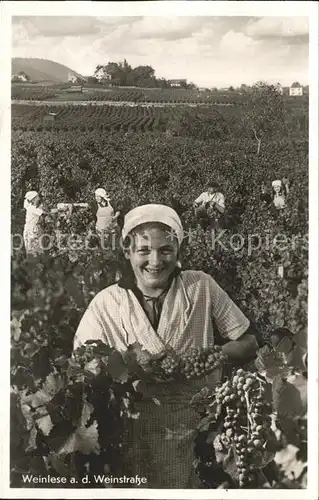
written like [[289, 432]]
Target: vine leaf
[[278, 386], [146, 390], [290, 465], [286, 348], [26, 412], [87, 411], [84, 440], [135, 353], [290, 398], [271, 363], [32, 444], [117, 368], [200, 396], [137, 360], [300, 383], [15, 328], [52, 385], [229, 463], [220, 450], [205, 423], [93, 367], [45, 424]]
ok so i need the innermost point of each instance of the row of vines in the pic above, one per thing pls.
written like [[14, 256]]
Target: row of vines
[[140, 95]]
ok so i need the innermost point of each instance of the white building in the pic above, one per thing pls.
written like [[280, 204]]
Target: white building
[[178, 83], [21, 77], [296, 90], [101, 75]]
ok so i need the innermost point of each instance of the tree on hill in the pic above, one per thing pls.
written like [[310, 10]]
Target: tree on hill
[[265, 113], [123, 74]]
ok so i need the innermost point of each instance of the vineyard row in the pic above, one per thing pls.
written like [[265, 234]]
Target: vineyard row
[[138, 96]]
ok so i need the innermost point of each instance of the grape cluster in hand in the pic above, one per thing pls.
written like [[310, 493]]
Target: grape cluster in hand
[[246, 423], [196, 363], [199, 362]]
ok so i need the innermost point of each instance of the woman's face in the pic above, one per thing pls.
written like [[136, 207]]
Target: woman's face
[[277, 189], [98, 198], [153, 254]]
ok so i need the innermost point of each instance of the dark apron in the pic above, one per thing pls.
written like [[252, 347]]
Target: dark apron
[[160, 444]]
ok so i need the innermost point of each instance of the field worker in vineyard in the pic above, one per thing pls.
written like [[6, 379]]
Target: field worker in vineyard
[[32, 228], [279, 193], [106, 219], [210, 207], [33, 223], [158, 305]]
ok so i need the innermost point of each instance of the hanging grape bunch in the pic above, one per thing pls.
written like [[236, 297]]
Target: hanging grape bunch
[[246, 422]]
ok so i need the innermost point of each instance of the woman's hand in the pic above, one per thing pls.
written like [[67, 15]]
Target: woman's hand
[[243, 348]]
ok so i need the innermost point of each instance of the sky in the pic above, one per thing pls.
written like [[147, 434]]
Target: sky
[[208, 51]]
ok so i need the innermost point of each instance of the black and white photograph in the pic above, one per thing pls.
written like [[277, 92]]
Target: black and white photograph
[[163, 198]]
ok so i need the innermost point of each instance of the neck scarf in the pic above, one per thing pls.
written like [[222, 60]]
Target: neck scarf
[[152, 305]]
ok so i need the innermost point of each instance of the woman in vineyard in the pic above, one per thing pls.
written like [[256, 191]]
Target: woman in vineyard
[[106, 219], [279, 194], [160, 306], [32, 227]]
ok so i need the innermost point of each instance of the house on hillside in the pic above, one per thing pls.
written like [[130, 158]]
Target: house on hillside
[[72, 78], [102, 76], [178, 83], [296, 89], [75, 79], [20, 77]]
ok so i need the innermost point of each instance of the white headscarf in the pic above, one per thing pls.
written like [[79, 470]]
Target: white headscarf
[[153, 213], [101, 192], [29, 196], [276, 183]]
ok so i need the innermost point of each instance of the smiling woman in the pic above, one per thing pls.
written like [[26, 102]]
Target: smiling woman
[[156, 303], [159, 306]]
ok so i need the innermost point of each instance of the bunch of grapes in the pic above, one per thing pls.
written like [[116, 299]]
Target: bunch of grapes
[[170, 364], [199, 362], [246, 422], [196, 363], [165, 367]]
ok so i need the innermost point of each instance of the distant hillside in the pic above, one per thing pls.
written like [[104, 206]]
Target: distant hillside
[[41, 70]]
